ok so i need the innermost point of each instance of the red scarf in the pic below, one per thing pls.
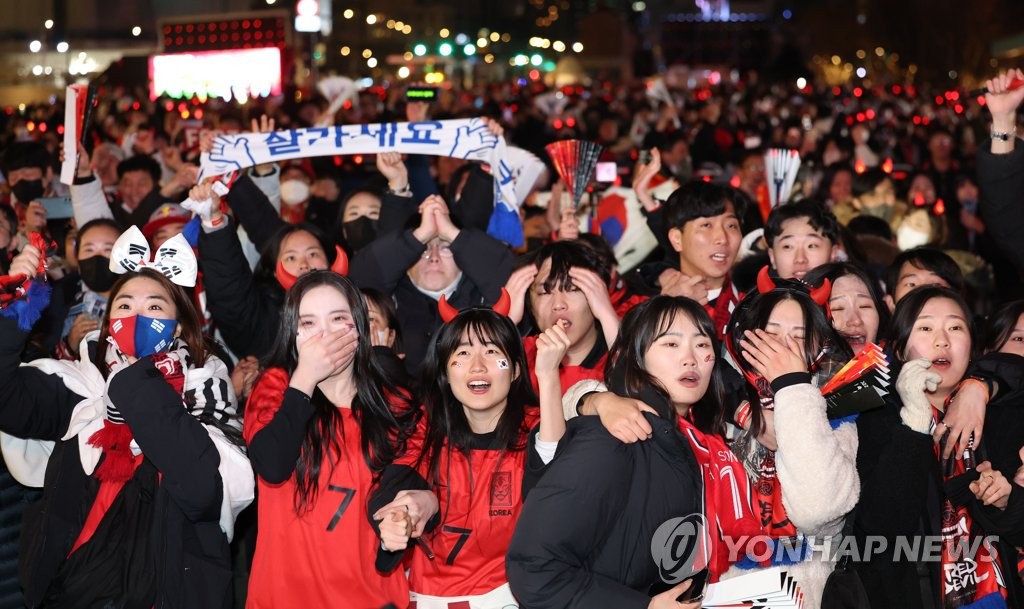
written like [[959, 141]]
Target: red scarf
[[115, 439], [721, 310], [767, 488]]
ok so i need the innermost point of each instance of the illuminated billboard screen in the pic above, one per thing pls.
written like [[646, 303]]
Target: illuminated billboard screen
[[229, 75]]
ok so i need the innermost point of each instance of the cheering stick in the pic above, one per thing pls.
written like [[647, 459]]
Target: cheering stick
[[1015, 84]]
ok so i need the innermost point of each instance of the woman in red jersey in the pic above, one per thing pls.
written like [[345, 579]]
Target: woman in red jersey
[[484, 444], [322, 423]]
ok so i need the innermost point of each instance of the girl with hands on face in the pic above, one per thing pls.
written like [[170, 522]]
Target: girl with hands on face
[[323, 423], [801, 464]]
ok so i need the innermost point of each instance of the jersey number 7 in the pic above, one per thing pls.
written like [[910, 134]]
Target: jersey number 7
[[463, 537], [348, 493]]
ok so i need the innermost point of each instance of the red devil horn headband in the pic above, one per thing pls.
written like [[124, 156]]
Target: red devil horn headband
[[448, 312], [765, 283], [821, 293]]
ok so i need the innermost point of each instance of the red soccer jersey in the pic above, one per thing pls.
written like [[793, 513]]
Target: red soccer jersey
[[480, 501], [591, 368], [325, 557]]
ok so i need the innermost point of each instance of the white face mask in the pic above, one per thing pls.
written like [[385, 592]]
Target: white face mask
[[294, 192], [908, 238], [382, 336]]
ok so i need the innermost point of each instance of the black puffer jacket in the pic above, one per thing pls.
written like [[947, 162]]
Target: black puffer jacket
[[584, 537]]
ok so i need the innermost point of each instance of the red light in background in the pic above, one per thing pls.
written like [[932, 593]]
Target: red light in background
[[570, 122], [182, 107], [860, 117], [31, 126], [939, 99], [896, 89], [358, 159], [958, 109], [42, 127], [859, 166], [887, 165], [706, 178], [136, 106], [917, 120], [981, 100], [557, 123], [735, 181], [940, 208], [870, 114], [857, 91], [198, 113], [60, 129], [919, 199], [169, 106]]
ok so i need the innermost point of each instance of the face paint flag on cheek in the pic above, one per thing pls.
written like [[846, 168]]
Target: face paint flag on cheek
[[502, 364]]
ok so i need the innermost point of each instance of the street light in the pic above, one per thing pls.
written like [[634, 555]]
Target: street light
[[62, 47], [445, 49], [34, 46], [420, 49]]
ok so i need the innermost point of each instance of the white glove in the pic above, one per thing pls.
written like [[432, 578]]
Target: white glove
[[914, 380]]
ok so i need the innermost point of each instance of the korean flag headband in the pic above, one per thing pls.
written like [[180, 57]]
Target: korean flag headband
[[175, 259]]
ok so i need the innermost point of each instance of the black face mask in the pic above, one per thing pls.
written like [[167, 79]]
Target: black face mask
[[360, 232], [533, 243], [27, 191], [96, 273]]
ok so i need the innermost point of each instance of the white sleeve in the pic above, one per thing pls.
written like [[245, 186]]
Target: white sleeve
[[89, 203], [546, 450], [816, 465], [270, 185]]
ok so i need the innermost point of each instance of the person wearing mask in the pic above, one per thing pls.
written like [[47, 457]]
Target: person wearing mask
[[28, 169]]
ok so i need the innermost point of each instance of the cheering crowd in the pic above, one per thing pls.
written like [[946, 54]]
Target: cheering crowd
[[326, 383]]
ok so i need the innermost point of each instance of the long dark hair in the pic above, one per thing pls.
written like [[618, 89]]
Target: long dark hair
[[625, 373], [754, 312], [446, 420], [384, 430], [1000, 325], [909, 308]]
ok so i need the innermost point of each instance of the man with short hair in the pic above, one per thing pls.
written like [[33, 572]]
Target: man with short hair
[[800, 236]]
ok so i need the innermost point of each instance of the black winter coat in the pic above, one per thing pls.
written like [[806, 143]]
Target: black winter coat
[[584, 537], [191, 558], [485, 264]]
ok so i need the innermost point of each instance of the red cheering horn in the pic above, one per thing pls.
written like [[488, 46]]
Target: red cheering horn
[[448, 312], [764, 281], [1015, 84]]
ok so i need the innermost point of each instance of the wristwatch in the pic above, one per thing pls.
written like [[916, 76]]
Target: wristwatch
[[405, 191]]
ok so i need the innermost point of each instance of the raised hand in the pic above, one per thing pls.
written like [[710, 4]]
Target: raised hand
[[518, 284], [552, 345], [642, 176], [322, 355], [391, 166], [772, 357]]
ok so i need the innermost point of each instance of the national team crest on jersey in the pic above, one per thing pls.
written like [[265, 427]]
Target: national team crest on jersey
[[501, 489]]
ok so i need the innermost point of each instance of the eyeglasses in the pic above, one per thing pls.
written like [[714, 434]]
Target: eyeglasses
[[439, 249]]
